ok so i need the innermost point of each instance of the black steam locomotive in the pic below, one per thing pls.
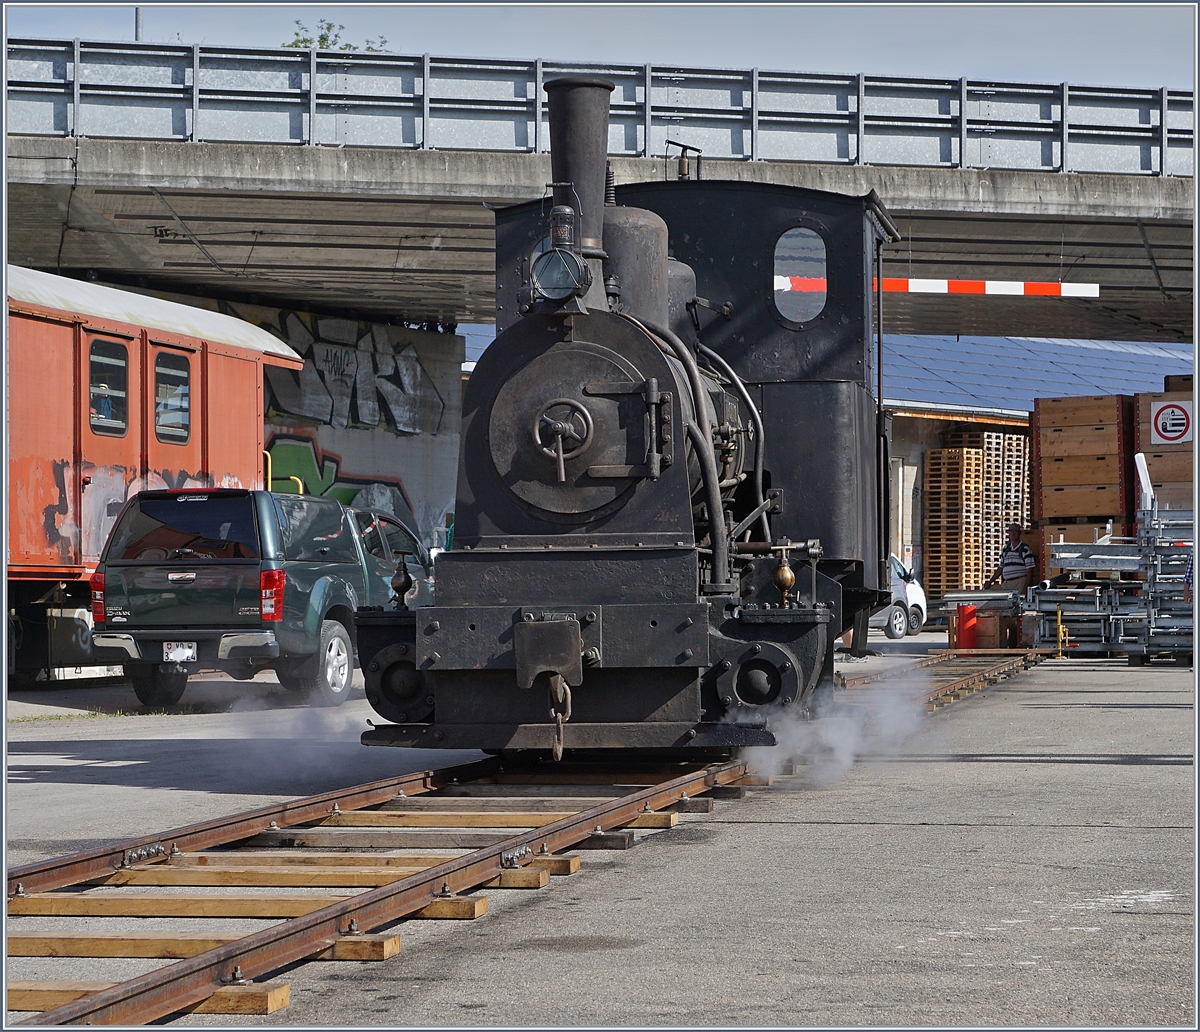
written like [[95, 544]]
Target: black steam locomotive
[[672, 485]]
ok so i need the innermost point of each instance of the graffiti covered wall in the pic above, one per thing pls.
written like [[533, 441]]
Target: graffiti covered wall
[[373, 417]]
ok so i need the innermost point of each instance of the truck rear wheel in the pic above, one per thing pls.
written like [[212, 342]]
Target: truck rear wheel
[[156, 688], [325, 677]]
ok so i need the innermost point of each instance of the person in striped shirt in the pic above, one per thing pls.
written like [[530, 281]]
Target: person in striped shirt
[[1017, 567]]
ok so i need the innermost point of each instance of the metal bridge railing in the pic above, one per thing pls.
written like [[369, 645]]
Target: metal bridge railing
[[238, 94]]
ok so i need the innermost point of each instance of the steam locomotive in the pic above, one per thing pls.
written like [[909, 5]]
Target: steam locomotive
[[672, 485]]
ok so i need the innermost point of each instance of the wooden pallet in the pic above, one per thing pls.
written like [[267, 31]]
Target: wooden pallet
[[1004, 489], [954, 542]]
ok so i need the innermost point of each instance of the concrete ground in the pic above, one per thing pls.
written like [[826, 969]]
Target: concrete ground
[[89, 764], [1023, 857]]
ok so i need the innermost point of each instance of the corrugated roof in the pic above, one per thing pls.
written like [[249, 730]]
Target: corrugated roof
[[1005, 374], [70, 295]]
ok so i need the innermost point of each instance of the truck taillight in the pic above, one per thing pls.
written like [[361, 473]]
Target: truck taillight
[[271, 585], [97, 585]]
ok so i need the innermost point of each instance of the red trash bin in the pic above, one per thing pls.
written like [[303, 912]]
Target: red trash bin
[[966, 626]]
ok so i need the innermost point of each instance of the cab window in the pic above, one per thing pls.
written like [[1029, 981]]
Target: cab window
[[108, 388], [801, 287], [172, 398], [368, 530], [398, 540], [314, 530]]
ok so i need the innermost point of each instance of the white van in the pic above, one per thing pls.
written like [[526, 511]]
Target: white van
[[906, 613]]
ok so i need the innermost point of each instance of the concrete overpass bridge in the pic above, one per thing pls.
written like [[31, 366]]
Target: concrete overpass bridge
[[355, 182]]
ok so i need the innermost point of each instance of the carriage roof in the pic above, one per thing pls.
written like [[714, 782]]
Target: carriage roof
[[69, 295]]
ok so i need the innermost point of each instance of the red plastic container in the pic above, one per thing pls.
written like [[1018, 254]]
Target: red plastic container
[[966, 627]]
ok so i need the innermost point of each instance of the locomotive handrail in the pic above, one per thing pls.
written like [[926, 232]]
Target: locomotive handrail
[[703, 403]]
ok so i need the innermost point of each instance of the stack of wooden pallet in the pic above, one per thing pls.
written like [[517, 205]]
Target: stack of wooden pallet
[[952, 540], [1083, 469], [1015, 464], [1005, 495], [1170, 464]]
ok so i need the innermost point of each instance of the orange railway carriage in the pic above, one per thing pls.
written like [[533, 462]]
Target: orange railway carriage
[[110, 393]]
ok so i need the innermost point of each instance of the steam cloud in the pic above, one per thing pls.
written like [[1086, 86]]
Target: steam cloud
[[859, 723]]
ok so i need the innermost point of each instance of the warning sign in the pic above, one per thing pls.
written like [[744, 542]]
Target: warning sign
[[1170, 422]]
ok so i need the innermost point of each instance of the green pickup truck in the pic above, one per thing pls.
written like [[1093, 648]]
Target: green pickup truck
[[244, 581]]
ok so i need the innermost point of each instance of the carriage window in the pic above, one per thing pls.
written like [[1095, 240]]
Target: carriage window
[[172, 400], [108, 380], [800, 287]]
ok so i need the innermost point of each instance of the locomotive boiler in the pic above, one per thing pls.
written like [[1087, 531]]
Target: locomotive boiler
[[672, 483]]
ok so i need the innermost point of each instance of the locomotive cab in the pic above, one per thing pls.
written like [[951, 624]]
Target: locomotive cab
[[671, 486]]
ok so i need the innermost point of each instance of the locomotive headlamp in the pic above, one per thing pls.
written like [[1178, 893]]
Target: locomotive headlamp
[[559, 274]]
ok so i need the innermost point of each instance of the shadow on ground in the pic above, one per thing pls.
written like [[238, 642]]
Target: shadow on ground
[[207, 692]]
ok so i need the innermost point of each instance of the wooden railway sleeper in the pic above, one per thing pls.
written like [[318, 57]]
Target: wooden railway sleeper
[[187, 982]]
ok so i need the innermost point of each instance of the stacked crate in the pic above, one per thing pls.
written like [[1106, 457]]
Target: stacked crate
[[1082, 469], [1005, 497], [953, 493], [1170, 465]]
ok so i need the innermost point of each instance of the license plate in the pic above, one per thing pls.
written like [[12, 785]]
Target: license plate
[[179, 652]]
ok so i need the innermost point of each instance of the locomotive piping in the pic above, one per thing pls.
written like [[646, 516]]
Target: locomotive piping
[[716, 521], [702, 443], [704, 407], [759, 442]]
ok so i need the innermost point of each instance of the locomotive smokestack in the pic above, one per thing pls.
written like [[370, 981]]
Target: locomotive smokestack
[[579, 149]]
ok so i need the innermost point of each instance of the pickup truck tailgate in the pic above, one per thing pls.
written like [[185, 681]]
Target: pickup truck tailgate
[[196, 596]]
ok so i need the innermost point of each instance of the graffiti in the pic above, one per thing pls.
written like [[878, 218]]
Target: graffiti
[[373, 415], [298, 457], [107, 488], [58, 542], [355, 374], [320, 472]]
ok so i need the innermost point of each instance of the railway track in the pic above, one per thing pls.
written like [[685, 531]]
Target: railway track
[[336, 873], [947, 675]]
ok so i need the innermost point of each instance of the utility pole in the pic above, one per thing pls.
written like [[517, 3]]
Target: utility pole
[[137, 24]]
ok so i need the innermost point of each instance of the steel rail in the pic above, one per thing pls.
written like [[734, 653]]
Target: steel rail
[[44, 875], [187, 982], [998, 670], [1008, 661]]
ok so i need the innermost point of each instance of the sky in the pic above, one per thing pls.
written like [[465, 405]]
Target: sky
[[1105, 44]]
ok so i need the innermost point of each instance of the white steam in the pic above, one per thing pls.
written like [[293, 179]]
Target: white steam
[[859, 723]]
